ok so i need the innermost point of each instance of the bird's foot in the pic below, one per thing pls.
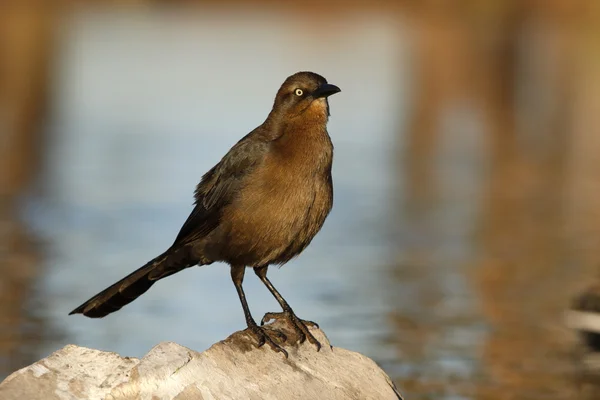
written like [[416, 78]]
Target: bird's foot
[[282, 315], [263, 337], [299, 325]]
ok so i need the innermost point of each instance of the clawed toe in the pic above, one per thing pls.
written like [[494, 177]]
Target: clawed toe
[[310, 323], [303, 331], [282, 315], [300, 326], [282, 336], [263, 337]]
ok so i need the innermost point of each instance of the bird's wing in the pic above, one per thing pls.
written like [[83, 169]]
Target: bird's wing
[[219, 186]]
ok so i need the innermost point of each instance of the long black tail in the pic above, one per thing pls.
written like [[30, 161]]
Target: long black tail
[[135, 284]]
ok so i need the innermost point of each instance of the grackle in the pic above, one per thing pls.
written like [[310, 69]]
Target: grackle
[[262, 204]]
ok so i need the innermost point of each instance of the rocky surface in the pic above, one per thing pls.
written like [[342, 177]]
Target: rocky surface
[[231, 369]]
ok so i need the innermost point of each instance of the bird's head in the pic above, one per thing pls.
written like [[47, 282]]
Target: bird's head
[[303, 94]]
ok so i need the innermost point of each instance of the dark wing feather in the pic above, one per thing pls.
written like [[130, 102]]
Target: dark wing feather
[[219, 186]]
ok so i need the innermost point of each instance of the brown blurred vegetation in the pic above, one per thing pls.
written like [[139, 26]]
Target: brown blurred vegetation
[[25, 48], [529, 69], [542, 146]]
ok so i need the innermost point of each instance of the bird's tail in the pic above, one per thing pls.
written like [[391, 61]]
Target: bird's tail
[[137, 283]]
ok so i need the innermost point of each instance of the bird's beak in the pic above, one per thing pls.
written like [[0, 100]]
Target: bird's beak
[[325, 90]]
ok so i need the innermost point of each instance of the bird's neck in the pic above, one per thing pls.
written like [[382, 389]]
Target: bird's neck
[[305, 144]]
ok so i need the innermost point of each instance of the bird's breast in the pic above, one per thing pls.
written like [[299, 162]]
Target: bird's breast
[[283, 206]]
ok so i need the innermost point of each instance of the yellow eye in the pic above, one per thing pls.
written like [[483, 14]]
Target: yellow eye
[[299, 92]]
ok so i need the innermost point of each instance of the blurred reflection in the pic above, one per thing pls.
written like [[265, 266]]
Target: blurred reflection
[[25, 47], [507, 337], [22, 319]]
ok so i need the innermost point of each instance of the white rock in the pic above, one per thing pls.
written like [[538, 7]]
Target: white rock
[[231, 369]]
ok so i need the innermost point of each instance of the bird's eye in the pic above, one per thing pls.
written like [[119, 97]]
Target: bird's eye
[[299, 92]]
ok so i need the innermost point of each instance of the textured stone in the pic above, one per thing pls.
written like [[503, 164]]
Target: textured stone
[[231, 369]]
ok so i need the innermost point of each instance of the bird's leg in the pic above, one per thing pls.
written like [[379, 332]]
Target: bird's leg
[[298, 324], [237, 275]]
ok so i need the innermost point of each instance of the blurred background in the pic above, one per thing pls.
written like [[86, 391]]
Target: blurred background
[[467, 206]]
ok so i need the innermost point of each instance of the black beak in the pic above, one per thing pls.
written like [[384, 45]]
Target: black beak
[[325, 90]]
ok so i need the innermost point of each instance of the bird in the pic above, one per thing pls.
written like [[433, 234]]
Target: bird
[[260, 205]]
